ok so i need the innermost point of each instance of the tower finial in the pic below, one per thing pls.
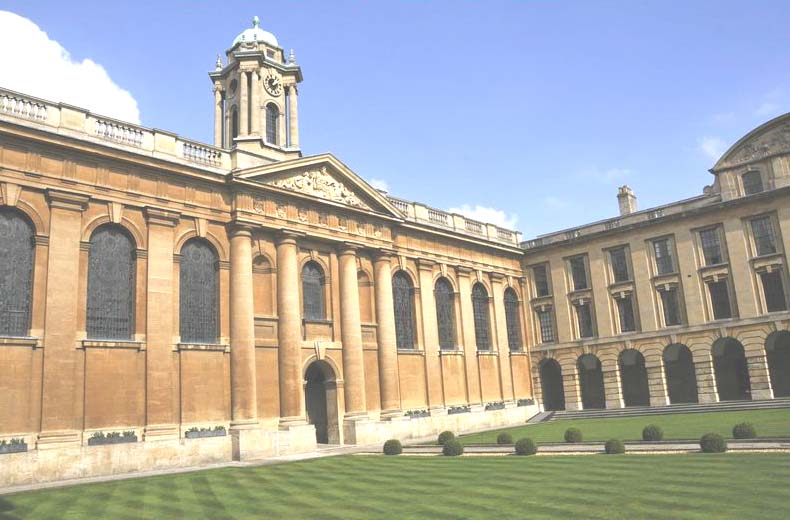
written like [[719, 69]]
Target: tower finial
[[292, 58], [219, 62], [256, 21]]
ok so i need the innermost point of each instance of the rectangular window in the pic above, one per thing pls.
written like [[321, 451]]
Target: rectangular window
[[774, 291], [669, 301], [625, 308], [720, 300], [711, 246], [584, 316], [665, 264], [619, 261], [752, 182], [541, 280], [578, 273], [546, 326], [764, 240]]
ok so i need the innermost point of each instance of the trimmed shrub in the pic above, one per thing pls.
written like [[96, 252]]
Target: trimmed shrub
[[444, 437], [713, 443], [573, 435], [504, 438], [614, 447], [526, 447], [652, 432], [393, 447], [744, 430], [452, 448]]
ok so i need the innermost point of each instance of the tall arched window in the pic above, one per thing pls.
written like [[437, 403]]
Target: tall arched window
[[445, 313], [234, 125], [512, 320], [272, 120], [199, 292], [16, 273], [403, 301], [313, 280], [481, 314], [110, 312]]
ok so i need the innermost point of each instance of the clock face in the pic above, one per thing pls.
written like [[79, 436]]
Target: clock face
[[273, 85]]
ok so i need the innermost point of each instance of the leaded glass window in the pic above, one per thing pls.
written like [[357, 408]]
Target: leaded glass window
[[664, 262], [774, 291], [199, 293], [669, 301], [541, 280], [711, 246], [512, 320], [625, 308], [272, 120], [481, 316], [313, 280], [720, 300], [16, 273], [403, 301], [546, 326], [584, 319], [110, 312], [752, 182], [578, 273], [619, 264], [445, 313], [764, 240]]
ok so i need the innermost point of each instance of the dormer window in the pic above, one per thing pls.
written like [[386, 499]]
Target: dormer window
[[752, 182]]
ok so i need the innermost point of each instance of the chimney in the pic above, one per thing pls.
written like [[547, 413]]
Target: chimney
[[626, 200]]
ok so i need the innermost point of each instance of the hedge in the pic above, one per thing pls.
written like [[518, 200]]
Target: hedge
[[573, 435], [526, 446]]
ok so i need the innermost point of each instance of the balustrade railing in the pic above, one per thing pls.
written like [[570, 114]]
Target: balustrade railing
[[201, 154], [22, 107], [119, 132]]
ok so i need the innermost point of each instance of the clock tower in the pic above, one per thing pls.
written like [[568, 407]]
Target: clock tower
[[255, 96]]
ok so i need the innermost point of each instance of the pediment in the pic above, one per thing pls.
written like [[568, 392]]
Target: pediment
[[769, 139]]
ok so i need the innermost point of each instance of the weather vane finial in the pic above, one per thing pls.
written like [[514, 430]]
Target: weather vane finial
[[256, 21]]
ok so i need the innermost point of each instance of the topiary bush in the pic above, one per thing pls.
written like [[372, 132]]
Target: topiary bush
[[652, 432], [713, 443], [614, 447], [504, 438], [744, 430], [393, 447], [445, 436], [452, 448], [526, 447], [573, 435]]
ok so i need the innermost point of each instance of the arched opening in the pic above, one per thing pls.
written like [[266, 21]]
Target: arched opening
[[403, 303], [732, 374], [680, 375], [313, 280], [591, 382], [199, 293], [777, 352], [512, 320], [272, 120], [445, 313], [234, 125], [551, 384], [17, 251], [320, 391], [482, 318], [633, 377]]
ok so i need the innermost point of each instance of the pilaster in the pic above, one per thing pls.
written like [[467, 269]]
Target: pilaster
[[387, 344], [289, 332], [351, 333], [433, 374]]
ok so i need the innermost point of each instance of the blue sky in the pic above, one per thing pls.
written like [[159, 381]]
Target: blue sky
[[535, 109]]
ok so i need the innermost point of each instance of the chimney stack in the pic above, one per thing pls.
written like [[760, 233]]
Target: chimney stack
[[626, 200]]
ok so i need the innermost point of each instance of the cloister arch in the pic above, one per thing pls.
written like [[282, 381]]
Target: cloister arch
[[633, 378], [320, 395], [679, 372], [732, 373], [551, 384], [777, 353], [591, 382]]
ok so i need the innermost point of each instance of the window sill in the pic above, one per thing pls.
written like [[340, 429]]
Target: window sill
[[20, 341], [519, 353], [203, 347], [113, 343], [316, 321], [487, 353], [451, 352], [410, 352]]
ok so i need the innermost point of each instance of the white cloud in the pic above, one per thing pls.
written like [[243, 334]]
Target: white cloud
[[34, 64], [713, 147], [379, 184], [608, 176], [767, 109], [487, 215]]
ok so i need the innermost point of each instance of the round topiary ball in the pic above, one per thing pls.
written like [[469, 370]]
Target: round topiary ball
[[573, 435], [744, 430], [444, 437], [713, 443], [393, 447], [504, 438], [452, 448], [652, 432], [526, 447], [614, 447]]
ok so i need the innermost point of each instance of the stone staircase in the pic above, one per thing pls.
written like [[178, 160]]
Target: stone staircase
[[724, 406]]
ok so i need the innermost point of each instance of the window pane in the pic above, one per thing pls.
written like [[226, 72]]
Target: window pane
[[774, 291], [313, 292], [199, 288], [720, 300], [669, 300], [764, 240], [625, 307], [445, 315], [272, 115], [584, 317], [541, 280], [664, 261], [16, 273], [546, 326], [403, 300], [578, 273], [752, 182], [619, 264], [110, 313], [482, 323], [512, 320], [711, 246]]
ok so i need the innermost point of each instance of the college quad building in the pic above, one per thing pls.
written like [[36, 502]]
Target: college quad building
[[168, 303]]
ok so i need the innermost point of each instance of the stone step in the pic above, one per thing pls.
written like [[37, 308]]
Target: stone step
[[672, 409], [541, 417]]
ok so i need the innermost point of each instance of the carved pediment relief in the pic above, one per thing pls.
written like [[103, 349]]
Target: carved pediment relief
[[773, 141], [319, 182]]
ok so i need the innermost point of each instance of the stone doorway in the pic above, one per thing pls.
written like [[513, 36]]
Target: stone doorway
[[732, 373], [551, 384], [320, 392], [633, 376], [777, 351], [591, 382], [680, 375]]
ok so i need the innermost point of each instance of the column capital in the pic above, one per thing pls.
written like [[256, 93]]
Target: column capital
[[381, 254], [161, 217], [238, 229], [287, 236], [67, 200], [292, 90], [349, 248]]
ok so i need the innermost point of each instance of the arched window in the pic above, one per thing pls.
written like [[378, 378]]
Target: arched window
[[481, 314], [234, 125], [16, 273], [403, 301], [313, 280], [272, 119], [512, 320], [445, 313], [110, 313], [199, 292]]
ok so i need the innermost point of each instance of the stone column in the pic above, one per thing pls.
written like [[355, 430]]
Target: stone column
[[218, 116], [759, 378], [244, 120], [255, 109], [61, 419], [500, 323], [161, 370], [385, 334], [706, 380], [293, 116], [468, 334], [611, 385], [351, 334], [244, 407], [289, 332], [656, 383], [570, 385], [433, 374]]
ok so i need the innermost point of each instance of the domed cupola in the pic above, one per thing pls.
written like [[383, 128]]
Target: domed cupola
[[255, 35]]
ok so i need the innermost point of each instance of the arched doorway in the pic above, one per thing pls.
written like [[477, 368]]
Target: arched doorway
[[777, 352], [551, 384], [732, 374], [680, 375], [633, 377], [320, 398], [591, 382]]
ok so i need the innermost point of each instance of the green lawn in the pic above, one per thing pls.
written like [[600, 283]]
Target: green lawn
[[735, 485], [769, 423]]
